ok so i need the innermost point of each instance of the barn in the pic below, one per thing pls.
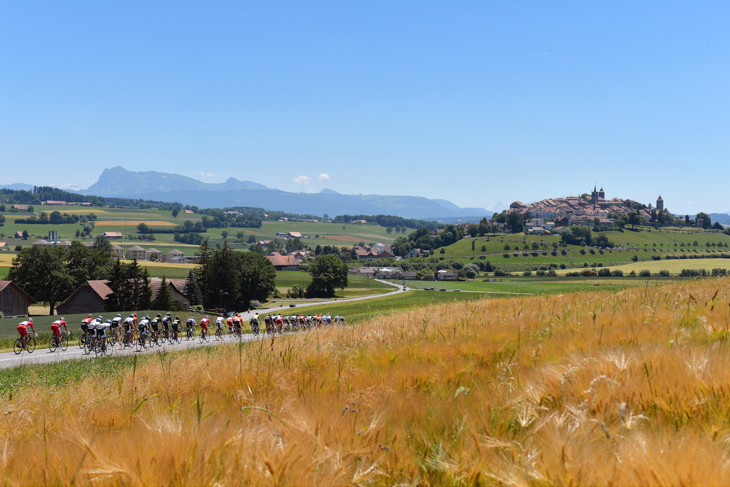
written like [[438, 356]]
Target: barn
[[13, 300], [88, 298]]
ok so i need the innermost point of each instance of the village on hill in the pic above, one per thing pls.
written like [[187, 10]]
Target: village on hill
[[592, 210]]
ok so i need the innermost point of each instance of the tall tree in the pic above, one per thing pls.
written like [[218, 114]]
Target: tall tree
[[163, 300], [130, 285], [257, 278], [193, 290], [328, 273], [42, 273]]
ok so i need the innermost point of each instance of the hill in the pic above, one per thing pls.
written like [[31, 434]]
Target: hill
[[152, 185]]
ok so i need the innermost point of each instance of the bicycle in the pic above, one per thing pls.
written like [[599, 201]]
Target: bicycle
[[175, 337], [62, 342], [189, 333], [102, 346], [254, 327], [20, 345], [141, 341], [130, 338], [204, 336], [83, 338], [219, 333]]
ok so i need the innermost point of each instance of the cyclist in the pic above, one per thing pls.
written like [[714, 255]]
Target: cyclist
[[85, 324], [115, 324], [56, 330], [166, 324], [129, 327], [219, 323], [176, 326], [190, 326], [155, 325], [101, 328], [96, 328], [279, 323], [204, 325], [23, 330], [143, 325], [229, 321]]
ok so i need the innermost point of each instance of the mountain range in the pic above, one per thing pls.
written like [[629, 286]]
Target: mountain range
[[152, 185]]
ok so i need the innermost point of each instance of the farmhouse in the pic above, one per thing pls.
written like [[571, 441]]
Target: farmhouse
[[112, 234], [21, 207], [13, 300], [4, 246], [176, 294], [88, 298], [446, 275], [283, 262], [18, 234], [174, 256], [294, 235], [56, 203]]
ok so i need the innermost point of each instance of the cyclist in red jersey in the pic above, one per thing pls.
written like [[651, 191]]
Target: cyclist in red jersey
[[23, 330], [56, 329]]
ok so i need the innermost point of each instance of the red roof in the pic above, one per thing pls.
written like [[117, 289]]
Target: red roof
[[4, 284], [283, 260]]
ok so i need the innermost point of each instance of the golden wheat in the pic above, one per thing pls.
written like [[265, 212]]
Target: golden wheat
[[589, 389]]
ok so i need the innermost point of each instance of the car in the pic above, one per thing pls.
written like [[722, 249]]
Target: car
[[293, 305], [429, 288], [442, 289], [457, 290]]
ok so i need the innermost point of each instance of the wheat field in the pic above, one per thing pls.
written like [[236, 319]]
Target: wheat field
[[590, 388]]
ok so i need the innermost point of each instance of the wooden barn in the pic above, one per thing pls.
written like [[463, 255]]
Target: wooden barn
[[88, 298], [13, 300], [177, 290]]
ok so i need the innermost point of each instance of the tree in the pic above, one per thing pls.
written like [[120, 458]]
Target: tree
[[389, 230], [42, 273], [224, 234], [515, 223], [257, 278], [143, 228], [328, 273], [706, 220], [130, 285], [163, 300], [192, 290], [634, 219], [473, 246], [175, 212]]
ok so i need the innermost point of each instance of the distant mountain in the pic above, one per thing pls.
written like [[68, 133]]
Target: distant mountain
[[721, 218], [121, 183], [17, 187], [118, 182]]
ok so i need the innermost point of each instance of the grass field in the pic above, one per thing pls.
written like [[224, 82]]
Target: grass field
[[673, 266], [592, 388]]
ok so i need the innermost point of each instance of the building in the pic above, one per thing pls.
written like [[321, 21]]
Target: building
[[88, 298], [174, 256], [446, 275], [283, 262], [177, 294], [112, 235], [136, 252], [4, 246], [13, 300], [118, 251], [294, 235], [153, 254], [56, 203], [660, 204]]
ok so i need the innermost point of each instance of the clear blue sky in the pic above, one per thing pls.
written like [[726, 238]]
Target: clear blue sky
[[475, 102]]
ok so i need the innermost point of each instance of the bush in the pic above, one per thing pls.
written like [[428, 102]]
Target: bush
[[664, 273], [499, 273], [644, 273], [563, 266], [582, 251], [617, 273], [527, 273], [604, 272], [573, 274], [656, 257], [635, 258], [506, 256], [552, 273], [540, 273], [632, 274]]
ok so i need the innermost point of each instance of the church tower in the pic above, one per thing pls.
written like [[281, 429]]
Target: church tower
[[660, 204]]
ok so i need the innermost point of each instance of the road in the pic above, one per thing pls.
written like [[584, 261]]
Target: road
[[42, 355]]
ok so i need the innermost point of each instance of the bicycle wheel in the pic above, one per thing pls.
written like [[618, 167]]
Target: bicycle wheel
[[82, 339], [64, 343], [18, 346], [31, 345], [110, 348], [87, 347], [218, 335], [99, 348], [178, 337], [52, 344]]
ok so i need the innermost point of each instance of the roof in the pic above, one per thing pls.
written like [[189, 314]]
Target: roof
[[4, 284], [112, 234], [136, 248], [295, 234], [175, 252], [188, 211], [41, 242], [282, 260], [55, 202], [20, 207], [3, 244]]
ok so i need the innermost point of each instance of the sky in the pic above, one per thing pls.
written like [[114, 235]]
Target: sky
[[480, 103]]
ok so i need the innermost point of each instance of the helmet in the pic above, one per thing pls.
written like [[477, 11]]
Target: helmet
[[206, 317], [147, 317], [168, 314], [99, 318], [30, 319], [135, 314], [108, 321], [119, 315], [63, 319], [90, 315]]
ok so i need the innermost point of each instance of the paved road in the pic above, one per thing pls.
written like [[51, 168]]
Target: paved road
[[43, 355]]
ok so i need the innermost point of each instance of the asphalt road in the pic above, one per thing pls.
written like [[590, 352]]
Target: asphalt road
[[42, 355]]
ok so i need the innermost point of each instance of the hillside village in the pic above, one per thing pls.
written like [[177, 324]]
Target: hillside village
[[594, 210]]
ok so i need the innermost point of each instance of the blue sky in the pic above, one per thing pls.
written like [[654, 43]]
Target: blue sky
[[481, 103]]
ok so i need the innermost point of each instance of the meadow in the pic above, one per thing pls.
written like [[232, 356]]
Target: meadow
[[588, 388]]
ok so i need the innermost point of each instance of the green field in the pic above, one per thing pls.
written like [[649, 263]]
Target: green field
[[527, 285], [673, 266]]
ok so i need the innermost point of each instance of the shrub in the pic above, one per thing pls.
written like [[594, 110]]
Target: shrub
[[664, 273], [499, 273], [644, 273], [552, 273], [656, 257], [604, 272], [563, 266], [582, 251], [540, 273], [573, 274], [527, 273], [632, 273], [506, 256], [635, 258], [617, 273]]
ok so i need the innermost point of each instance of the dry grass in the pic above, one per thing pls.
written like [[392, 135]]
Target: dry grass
[[584, 389], [133, 223]]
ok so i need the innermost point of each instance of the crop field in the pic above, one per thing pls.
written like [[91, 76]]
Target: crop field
[[673, 266], [588, 388]]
